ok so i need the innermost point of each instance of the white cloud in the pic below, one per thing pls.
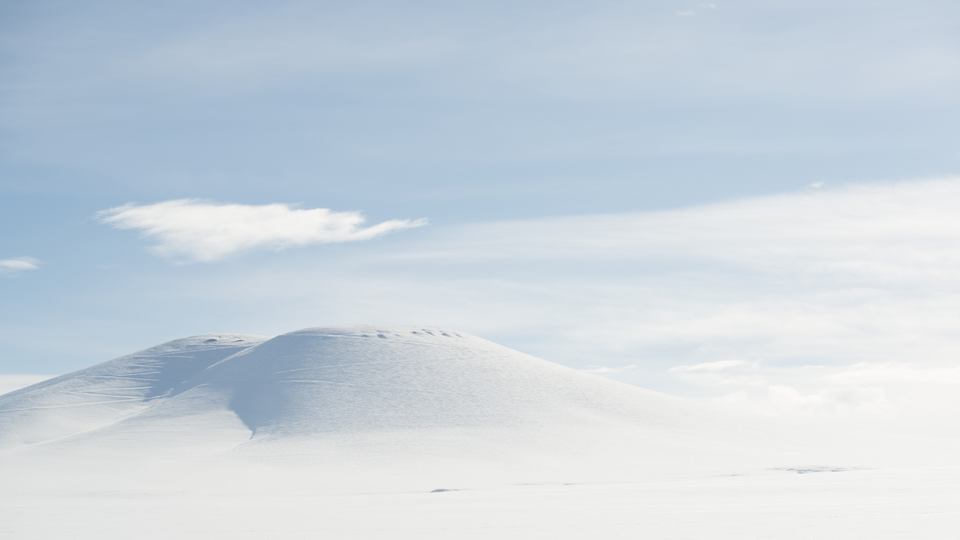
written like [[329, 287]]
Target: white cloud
[[714, 366], [816, 185], [19, 264], [189, 229], [686, 13]]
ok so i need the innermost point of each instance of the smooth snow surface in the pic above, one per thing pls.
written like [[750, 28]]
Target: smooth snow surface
[[355, 421]]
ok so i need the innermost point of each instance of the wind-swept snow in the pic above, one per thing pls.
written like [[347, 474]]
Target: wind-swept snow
[[104, 394]]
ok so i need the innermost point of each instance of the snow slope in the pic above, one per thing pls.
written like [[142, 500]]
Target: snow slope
[[102, 395], [233, 421]]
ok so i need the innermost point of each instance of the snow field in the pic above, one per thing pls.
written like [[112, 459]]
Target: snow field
[[349, 431]]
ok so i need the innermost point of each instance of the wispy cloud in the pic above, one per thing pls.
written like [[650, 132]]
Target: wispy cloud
[[901, 230], [714, 366], [189, 229], [19, 264], [607, 369], [866, 373]]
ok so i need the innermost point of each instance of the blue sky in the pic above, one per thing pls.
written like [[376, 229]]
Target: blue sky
[[628, 187]]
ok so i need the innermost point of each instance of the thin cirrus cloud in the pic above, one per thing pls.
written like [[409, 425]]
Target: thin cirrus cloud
[[866, 373], [890, 231], [193, 230], [19, 264], [719, 365]]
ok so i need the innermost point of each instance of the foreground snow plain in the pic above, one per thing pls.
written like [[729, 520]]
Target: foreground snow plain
[[373, 431]]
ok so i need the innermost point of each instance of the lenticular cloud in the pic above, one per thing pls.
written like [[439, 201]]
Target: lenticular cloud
[[188, 229]]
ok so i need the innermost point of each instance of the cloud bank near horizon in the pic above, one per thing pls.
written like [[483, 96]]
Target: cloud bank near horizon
[[194, 230]]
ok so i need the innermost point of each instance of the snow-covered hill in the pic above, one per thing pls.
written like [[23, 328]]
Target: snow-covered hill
[[377, 406], [251, 436]]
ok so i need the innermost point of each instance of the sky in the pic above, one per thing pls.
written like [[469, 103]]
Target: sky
[[746, 203]]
